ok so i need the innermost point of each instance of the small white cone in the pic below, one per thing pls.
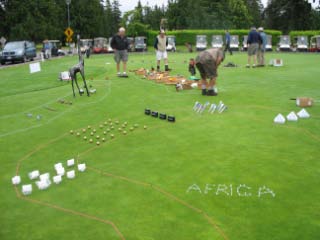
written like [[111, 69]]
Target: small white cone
[[303, 113], [292, 117], [279, 119]]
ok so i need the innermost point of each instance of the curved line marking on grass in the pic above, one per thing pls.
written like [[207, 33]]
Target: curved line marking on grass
[[57, 116], [73, 212], [168, 195], [154, 187]]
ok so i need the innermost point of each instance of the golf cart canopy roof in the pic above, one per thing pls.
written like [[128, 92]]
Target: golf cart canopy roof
[[316, 39], [140, 40], [201, 38], [285, 39], [171, 39], [302, 40], [234, 39], [217, 39]]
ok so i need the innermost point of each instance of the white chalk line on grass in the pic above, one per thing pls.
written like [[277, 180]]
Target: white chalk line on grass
[[54, 117]]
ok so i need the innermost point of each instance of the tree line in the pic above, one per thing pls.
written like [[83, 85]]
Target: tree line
[[47, 19]]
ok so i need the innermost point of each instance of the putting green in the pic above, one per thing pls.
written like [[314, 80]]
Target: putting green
[[234, 175]]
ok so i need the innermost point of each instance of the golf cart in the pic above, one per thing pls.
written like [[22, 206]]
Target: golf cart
[[140, 44], [201, 42], [55, 48], [100, 45], [284, 43], [131, 44], [301, 44], [85, 46], [171, 43], [315, 44], [234, 43], [217, 41], [110, 49], [269, 43], [244, 43]]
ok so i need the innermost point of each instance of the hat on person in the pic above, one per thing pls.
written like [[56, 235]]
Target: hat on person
[[162, 31], [122, 29], [260, 29]]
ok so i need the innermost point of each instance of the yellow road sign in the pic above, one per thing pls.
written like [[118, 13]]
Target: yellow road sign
[[68, 32], [69, 39]]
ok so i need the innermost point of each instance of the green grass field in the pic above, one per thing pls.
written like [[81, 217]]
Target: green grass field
[[234, 175]]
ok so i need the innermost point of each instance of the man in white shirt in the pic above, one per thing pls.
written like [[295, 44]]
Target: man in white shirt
[[160, 45]]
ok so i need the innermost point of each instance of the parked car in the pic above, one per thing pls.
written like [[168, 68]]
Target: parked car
[[301, 44], [201, 42], [244, 43], [171, 43], [55, 48], [269, 43], [234, 43], [140, 44], [315, 44], [100, 45], [284, 43], [19, 51], [217, 41]]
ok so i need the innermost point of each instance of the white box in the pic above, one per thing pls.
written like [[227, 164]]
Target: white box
[[82, 167], [34, 174], [60, 171], [43, 184], [71, 174], [70, 162], [45, 176], [57, 179], [58, 165], [27, 189], [16, 180]]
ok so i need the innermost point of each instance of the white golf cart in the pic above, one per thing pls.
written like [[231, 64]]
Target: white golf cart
[[301, 44], [140, 44], [171, 43], [234, 43], [217, 41], [269, 43], [284, 43], [201, 42], [244, 43], [315, 44]]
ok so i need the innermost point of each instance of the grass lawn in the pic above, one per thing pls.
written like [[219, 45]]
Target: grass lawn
[[234, 175]]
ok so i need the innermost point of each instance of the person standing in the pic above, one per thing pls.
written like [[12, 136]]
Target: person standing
[[254, 39], [119, 44], [262, 47], [47, 49], [228, 41], [160, 46], [207, 63]]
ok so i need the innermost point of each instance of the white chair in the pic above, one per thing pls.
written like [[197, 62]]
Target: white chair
[[71, 174], [82, 167], [34, 174], [70, 162], [27, 189], [43, 184], [57, 179], [60, 171], [58, 165], [45, 176], [16, 180]]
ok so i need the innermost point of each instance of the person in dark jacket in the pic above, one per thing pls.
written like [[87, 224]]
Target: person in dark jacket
[[254, 39], [228, 40], [119, 44]]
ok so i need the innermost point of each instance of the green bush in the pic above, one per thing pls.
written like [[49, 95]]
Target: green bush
[[309, 34], [183, 36]]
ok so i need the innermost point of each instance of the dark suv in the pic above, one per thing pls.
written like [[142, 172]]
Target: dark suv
[[20, 51]]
